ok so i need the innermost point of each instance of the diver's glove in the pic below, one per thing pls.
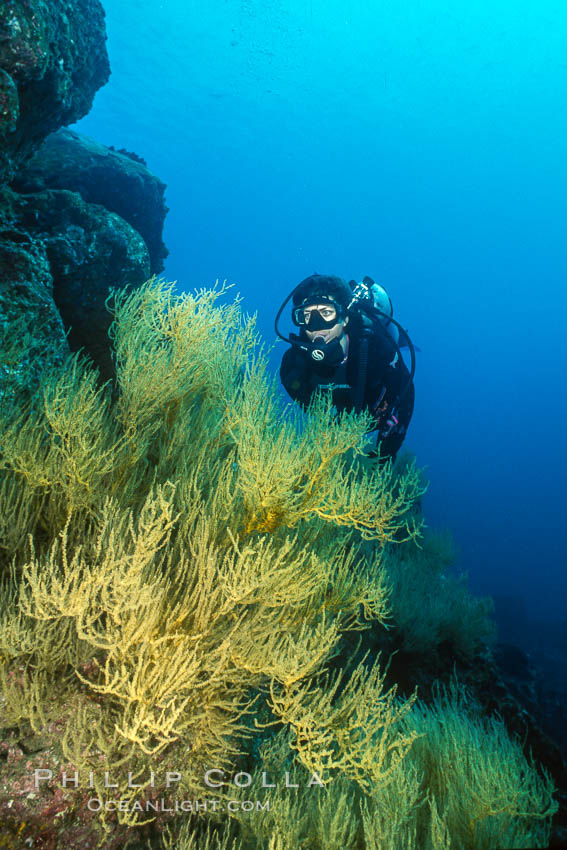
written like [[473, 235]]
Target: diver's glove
[[391, 425]]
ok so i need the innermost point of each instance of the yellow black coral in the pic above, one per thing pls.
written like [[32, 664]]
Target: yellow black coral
[[159, 594]]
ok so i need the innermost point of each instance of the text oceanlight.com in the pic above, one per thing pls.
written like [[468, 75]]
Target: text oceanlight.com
[[97, 804]]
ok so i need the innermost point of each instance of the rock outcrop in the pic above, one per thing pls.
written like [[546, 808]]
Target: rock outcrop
[[32, 334], [76, 218], [117, 180], [67, 254], [53, 59]]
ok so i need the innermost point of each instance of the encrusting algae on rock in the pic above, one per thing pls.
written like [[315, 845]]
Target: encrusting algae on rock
[[182, 560]]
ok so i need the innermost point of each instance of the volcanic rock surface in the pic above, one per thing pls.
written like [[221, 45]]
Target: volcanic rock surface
[[76, 218], [53, 59], [117, 180]]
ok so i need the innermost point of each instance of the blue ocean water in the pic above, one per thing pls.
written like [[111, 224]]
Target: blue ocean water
[[422, 143]]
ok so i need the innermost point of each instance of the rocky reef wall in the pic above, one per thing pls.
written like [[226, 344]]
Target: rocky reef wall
[[76, 218], [53, 59]]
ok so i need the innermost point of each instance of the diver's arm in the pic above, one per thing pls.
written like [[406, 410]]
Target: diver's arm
[[394, 413], [393, 405]]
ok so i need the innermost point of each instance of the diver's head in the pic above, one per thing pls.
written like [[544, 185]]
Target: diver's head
[[320, 307]]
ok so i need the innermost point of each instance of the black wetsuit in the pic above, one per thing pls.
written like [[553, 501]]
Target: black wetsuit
[[386, 377]]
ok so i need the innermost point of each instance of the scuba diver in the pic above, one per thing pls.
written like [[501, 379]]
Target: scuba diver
[[350, 343]]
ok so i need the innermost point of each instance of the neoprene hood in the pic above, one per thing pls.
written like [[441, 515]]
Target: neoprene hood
[[325, 286]]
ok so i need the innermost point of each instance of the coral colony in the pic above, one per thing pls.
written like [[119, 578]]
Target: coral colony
[[194, 572]]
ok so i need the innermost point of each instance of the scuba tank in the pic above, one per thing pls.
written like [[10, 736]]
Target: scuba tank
[[380, 299], [375, 305]]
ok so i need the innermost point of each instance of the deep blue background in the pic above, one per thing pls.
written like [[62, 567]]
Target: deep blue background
[[423, 143]]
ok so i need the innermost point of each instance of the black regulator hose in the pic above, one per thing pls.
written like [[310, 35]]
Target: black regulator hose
[[362, 372], [280, 311]]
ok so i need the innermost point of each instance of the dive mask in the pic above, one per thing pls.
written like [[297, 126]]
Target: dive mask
[[306, 316]]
